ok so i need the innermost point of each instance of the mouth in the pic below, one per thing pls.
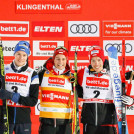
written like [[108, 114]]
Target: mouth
[[97, 67], [60, 65], [20, 62]]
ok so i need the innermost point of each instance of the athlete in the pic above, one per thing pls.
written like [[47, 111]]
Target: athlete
[[22, 87], [55, 105], [126, 99], [95, 87]]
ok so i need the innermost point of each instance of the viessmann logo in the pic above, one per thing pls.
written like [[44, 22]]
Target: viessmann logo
[[16, 78], [97, 82], [14, 28], [47, 46], [54, 96], [116, 26], [48, 28], [117, 29], [59, 81]]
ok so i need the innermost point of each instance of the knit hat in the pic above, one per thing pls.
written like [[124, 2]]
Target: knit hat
[[96, 51], [60, 50], [22, 46]]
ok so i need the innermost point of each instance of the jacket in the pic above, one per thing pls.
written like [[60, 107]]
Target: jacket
[[21, 114], [98, 107], [48, 66]]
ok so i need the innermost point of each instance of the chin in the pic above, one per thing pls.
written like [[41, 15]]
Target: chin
[[19, 65], [97, 71], [60, 68]]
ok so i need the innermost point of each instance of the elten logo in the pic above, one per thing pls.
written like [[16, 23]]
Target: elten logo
[[48, 29]]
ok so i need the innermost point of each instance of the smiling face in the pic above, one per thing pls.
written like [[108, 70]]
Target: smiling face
[[60, 61], [97, 64], [20, 58]]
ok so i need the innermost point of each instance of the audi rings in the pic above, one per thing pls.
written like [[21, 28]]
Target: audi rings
[[128, 47], [83, 28]]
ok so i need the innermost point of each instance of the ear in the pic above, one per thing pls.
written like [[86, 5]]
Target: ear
[[29, 53]]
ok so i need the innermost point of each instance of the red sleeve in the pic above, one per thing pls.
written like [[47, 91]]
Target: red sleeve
[[80, 76], [128, 88]]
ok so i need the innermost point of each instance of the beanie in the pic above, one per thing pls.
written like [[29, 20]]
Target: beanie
[[60, 50], [96, 51], [22, 46]]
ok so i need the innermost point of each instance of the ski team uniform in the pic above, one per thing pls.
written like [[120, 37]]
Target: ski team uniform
[[98, 108], [25, 82], [55, 105]]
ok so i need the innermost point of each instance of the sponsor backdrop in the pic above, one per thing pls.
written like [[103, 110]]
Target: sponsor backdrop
[[50, 23]]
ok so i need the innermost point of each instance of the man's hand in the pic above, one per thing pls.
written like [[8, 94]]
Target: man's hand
[[72, 79], [4, 94], [127, 100]]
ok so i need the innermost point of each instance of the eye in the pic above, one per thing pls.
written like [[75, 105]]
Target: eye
[[18, 54], [24, 55], [93, 61], [63, 59], [57, 59]]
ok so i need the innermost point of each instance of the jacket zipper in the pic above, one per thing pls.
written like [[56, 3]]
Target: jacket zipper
[[96, 119]]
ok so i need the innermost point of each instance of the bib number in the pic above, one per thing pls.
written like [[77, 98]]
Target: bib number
[[14, 88], [97, 93]]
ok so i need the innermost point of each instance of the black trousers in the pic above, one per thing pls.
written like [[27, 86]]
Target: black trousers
[[89, 129], [20, 128], [50, 129]]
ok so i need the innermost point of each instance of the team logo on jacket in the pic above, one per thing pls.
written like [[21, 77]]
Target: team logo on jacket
[[55, 96], [20, 78], [54, 80], [99, 82]]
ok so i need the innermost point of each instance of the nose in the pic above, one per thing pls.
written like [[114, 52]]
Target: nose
[[96, 62], [60, 61], [21, 57]]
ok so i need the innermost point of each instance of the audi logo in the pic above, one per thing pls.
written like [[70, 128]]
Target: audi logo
[[128, 47], [83, 28]]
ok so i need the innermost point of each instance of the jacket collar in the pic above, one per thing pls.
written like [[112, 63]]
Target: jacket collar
[[19, 69], [49, 66]]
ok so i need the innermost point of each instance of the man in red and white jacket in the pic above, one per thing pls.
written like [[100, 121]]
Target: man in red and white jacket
[[95, 87], [56, 90]]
